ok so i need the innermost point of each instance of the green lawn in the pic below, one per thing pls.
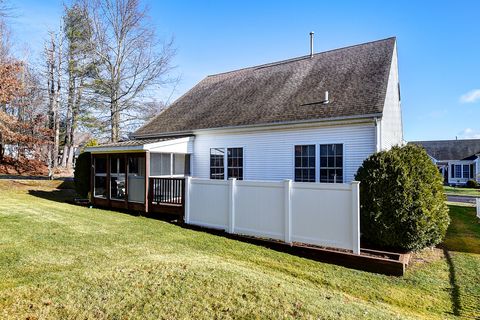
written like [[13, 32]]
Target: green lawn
[[59, 261], [459, 191]]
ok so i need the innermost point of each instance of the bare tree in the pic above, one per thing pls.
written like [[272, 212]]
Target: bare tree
[[130, 60], [53, 58]]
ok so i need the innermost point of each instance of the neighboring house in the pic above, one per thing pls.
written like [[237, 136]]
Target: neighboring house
[[457, 160], [312, 119]]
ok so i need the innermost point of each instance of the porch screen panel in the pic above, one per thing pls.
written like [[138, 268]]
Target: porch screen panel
[[179, 164], [136, 179], [100, 181], [160, 164], [117, 177]]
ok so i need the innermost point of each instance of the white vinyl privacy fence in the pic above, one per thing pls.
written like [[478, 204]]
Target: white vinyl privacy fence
[[313, 213], [477, 202]]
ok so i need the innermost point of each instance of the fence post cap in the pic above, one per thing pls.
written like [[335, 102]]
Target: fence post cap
[[355, 182]]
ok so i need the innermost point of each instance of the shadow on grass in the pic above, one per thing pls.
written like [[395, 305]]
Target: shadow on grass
[[63, 193], [58, 195], [455, 289]]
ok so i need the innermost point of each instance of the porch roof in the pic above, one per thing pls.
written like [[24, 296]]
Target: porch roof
[[167, 145]]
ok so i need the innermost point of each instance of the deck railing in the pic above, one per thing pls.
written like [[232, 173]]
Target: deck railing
[[167, 191]]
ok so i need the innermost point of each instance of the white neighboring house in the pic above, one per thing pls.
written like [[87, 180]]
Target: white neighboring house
[[457, 160], [308, 119]]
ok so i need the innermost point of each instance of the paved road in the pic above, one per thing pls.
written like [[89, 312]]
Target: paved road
[[461, 199]]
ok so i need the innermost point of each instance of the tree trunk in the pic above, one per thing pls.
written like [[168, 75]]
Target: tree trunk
[[115, 121], [70, 102], [73, 127]]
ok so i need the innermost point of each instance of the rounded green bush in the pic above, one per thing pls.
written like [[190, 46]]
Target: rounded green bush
[[402, 200], [472, 184], [82, 174]]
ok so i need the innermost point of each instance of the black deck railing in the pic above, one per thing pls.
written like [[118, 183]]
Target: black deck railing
[[167, 190]]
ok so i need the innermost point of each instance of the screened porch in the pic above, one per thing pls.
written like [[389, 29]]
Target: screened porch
[[140, 175]]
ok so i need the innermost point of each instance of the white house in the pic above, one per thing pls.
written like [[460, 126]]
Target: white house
[[457, 160], [312, 119]]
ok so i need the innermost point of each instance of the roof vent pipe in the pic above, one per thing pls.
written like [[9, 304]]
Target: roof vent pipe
[[325, 101], [311, 44]]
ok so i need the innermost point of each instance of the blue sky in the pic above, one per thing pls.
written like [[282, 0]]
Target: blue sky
[[438, 46]]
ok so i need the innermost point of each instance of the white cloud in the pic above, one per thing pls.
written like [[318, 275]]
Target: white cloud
[[469, 133], [471, 96]]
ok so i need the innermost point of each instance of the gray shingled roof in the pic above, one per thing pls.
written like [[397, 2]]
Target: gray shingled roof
[[356, 78], [451, 149], [133, 143]]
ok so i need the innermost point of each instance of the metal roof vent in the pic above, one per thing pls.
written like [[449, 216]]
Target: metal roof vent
[[325, 101], [311, 44]]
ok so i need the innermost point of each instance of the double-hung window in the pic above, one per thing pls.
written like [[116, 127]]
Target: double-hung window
[[305, 163], [466, 171], [456, 171], [331, 163], [226, 163]]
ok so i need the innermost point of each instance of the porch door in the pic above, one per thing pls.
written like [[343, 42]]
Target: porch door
[[136, 178]]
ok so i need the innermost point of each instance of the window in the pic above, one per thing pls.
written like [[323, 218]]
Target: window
[[472, 171], [305, 163], [331, 163], [100, 181], [217, 169], [466, 171], [235, 163], [457, 173]]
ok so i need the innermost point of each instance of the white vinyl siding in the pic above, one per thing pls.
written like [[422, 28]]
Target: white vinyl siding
[[269, 154], [391, 123]]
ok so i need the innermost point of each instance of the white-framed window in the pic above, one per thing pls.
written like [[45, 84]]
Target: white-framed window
[[456, 171], [466, 171], [226, 163], [331, 163], [330, 166], [305, 163], [217, 163]]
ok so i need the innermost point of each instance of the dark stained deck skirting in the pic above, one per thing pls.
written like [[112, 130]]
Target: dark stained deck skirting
[[368, 260]]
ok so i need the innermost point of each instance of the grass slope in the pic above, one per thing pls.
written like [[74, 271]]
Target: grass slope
[[64, 261]]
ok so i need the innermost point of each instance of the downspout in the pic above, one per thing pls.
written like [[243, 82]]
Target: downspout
[[378, 135]]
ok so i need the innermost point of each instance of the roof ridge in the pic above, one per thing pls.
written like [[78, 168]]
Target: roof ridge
[[294, 59], [447, 140]]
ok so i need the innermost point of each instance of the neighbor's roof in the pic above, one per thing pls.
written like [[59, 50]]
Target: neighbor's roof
[[356, 78], [451, 149]]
